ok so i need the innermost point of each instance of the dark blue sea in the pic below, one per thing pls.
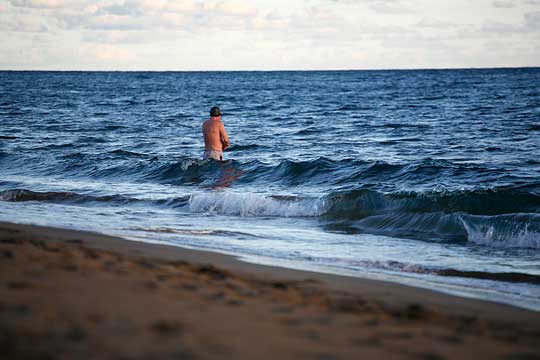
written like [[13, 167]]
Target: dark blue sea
[[429, 178]]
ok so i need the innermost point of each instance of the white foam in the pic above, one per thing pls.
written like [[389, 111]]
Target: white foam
[[504, 238], [251, 204], [187, 163]]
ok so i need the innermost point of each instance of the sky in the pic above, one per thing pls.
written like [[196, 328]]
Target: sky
[[191, 35]]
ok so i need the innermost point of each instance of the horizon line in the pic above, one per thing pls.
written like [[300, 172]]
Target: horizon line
[[281, 70]]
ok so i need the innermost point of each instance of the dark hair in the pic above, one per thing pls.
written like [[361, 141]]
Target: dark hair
[[214, 111]]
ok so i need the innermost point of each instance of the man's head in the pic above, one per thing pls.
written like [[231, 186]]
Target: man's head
[[214, 111]]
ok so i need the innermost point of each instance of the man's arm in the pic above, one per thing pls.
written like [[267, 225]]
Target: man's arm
[[224, 138]]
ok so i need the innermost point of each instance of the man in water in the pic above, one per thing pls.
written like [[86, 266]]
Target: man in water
[[215, 136]]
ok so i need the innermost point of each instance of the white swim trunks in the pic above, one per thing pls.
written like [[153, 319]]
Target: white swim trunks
[[213, 154]]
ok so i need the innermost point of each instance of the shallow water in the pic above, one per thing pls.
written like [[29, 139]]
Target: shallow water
[[430, 178]]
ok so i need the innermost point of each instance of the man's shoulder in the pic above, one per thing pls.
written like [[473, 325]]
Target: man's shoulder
[[211, 122]]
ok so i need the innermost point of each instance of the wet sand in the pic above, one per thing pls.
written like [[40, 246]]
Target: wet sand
[[76, 295]]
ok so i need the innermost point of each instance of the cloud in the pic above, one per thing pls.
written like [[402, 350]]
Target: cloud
[[500, 27], [24, 23], [113, 22], [506, 4], [178, 6], [257, 34], [431, 44], [126, 15], [181, 6], [391, 7], [107, 53], [39, 4], [173, 20], [229, 8], [125, 9], [270, 21], [532, 21], [531, 24], [436, 23], [117, 37]]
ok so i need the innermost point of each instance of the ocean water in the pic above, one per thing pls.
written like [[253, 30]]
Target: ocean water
[[428, 178]]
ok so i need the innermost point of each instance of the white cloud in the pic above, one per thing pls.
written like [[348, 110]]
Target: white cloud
[[260, 34], [107, 53], [39, 4], [24, 23], [117, 37], [269, 21], [113, 22], [436, 23], [173, 20], [229, 8], [530, 24], [185, 6], [392, 7], [504, 4], [532, 21]]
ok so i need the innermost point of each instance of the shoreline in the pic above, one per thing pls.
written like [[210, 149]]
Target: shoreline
[[73, 293]]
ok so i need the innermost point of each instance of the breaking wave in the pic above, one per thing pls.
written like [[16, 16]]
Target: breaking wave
[[228, 203], [432, 216], [505, 218]]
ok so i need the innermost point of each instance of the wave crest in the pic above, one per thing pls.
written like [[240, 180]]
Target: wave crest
[[250, 204], [20, 195], [430, 216], [513, 230]]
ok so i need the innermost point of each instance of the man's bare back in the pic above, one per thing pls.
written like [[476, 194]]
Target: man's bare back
[[215, 136]]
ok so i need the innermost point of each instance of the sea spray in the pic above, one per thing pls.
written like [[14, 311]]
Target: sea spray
[[253, 205], [504, 231]]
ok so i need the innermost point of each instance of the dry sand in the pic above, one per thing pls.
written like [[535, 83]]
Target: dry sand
[[77, 295]]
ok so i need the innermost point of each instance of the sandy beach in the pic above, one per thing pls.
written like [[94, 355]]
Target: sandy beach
[[77, 295]]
